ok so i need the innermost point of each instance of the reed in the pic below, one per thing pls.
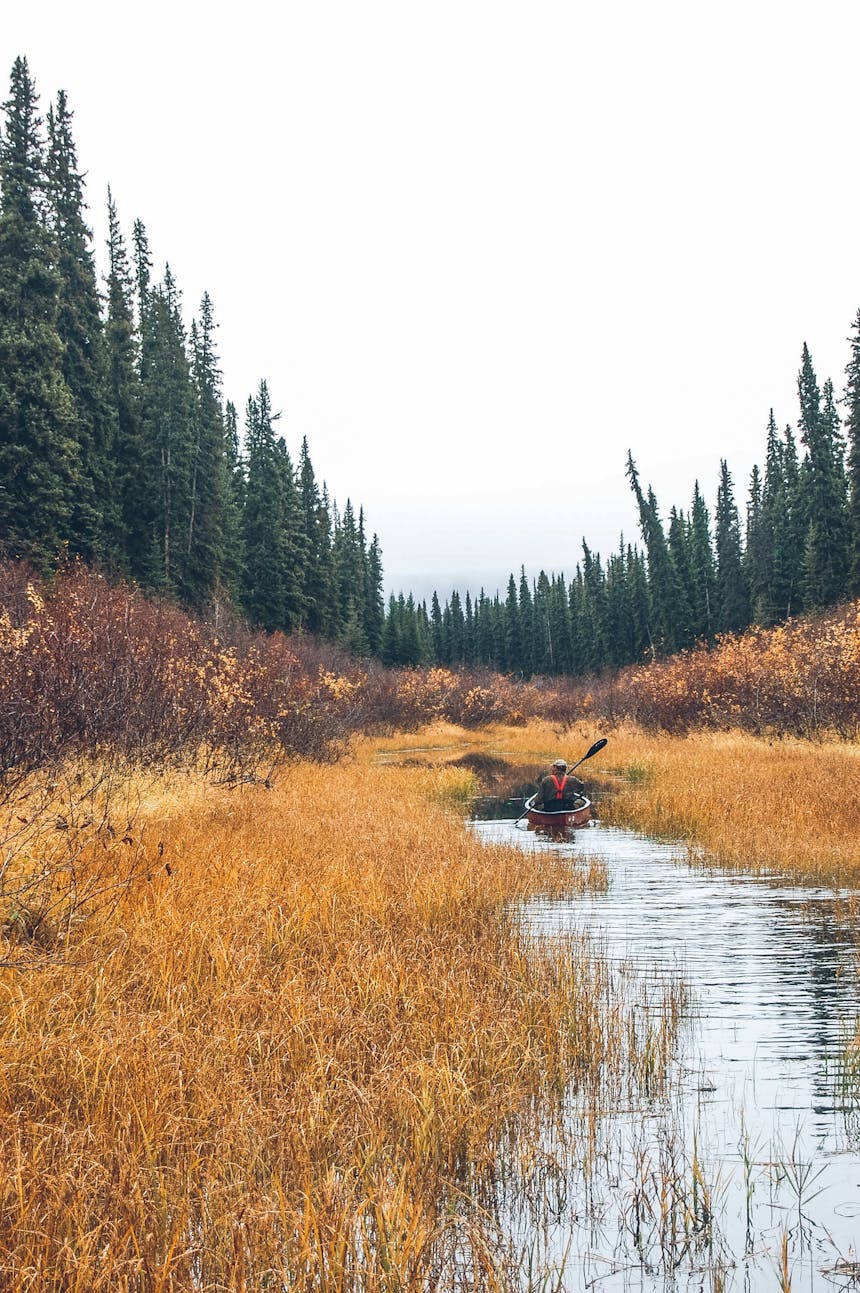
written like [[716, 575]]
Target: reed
[[780, 807], [776, 807], [300, 1050]]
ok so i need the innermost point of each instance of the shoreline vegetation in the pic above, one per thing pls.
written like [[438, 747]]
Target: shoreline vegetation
[[247, 1038], [102, 687], [92, 665], [304, 1046]]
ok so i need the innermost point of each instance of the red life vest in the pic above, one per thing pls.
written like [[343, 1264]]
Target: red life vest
[[559, 785]]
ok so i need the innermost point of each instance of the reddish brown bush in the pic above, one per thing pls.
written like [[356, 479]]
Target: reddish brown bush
[[801, 678], [86, 665]]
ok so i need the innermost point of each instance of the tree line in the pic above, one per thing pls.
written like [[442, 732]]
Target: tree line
[[116, 444], [695, 575]]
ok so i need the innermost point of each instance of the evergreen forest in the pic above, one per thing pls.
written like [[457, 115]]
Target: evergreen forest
[[117, 447], [791, 545]]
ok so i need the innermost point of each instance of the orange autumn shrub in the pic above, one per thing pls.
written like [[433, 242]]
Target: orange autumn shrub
[[87, 666], [801, 678], [409, 698]]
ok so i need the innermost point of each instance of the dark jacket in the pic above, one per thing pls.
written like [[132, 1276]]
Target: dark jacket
[[547, 795]]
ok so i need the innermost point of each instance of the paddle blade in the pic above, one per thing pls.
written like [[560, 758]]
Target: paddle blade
[[598, 745]]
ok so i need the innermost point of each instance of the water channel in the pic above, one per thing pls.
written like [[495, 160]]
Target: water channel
[[763, 1119]]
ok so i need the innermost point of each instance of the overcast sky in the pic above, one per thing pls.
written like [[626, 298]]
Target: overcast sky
[[480, 249]]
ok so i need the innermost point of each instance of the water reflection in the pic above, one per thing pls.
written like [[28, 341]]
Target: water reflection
[[758, 1099]]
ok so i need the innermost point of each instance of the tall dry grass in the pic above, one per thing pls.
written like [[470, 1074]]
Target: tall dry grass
[[786, 807], [303, 1049]]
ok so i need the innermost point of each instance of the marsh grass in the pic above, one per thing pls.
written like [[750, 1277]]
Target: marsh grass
[[787, 807], [306, 1049], [70, 846]]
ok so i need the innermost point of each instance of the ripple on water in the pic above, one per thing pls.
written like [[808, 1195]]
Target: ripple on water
[[772, 973]]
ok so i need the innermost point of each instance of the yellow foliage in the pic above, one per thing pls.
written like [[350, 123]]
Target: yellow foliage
[[299, 1043], [786, 807]]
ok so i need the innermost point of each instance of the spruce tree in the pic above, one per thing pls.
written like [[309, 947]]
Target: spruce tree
[[447, 637], [390, 648], [513, 641], [680, 551], [262, 521], [562, 637], [732, 595], [209, 467], [232, 559], [142, 266], [704, 580], [618, 617], [527, 626], [93, 520], [640, 609], [757, 552], [796, 521], [545, 646], [168, 427], [593, 613], [40, 466], [580, 624], [133, 499], [349, 574], [485, 633], [469, 646], [457, 630], [294, 548], [326, 611], [315, 536], [412, 653], [374, 605], [826, 553], [852, 430], [669, 614], [774, 602], [436, 630]]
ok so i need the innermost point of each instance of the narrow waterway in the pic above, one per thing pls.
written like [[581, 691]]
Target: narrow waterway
[[763, 1119]]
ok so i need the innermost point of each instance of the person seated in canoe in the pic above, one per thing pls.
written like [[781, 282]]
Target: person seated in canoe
[[559, 789]]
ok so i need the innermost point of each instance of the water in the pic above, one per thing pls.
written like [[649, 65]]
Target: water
[[758, 1114]]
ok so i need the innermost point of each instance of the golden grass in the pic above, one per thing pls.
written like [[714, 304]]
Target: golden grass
[[780, 807], [786, 807], [298, 1051], [305, 1047]]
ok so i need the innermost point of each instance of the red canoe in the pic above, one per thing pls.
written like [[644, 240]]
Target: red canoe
[[564, 820]]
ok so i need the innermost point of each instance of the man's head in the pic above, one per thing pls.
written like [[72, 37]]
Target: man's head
[[560, 764]]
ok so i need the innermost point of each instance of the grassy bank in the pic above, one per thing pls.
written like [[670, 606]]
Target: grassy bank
[[779, 806], [298, 1049], [788, 807]]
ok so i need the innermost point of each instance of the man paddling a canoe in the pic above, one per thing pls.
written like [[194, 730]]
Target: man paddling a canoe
[[559, 803], [558, 789]]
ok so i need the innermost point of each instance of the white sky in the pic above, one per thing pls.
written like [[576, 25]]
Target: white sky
[[479, 250]]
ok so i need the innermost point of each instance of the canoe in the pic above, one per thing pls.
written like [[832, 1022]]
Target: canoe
[[562, 820]]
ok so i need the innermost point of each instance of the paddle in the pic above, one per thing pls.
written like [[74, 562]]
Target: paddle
[[595, 749]]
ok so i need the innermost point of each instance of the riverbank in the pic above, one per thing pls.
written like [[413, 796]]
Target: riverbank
[[778, 807], [297, 1046], [262, 1038], [782, 807]]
